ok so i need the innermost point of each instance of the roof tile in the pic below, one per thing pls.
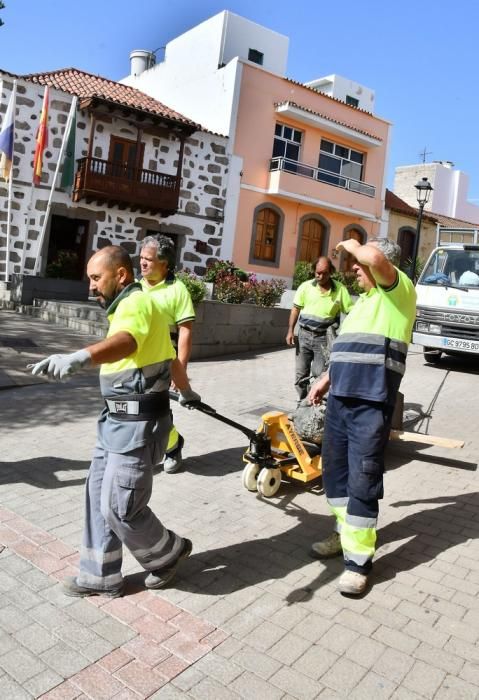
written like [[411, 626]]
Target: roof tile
[[85, 85], [395, 203], [324, 116]]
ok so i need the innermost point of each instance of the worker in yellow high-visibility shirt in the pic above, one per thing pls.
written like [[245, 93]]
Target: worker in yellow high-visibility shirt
[[368, 360], [157, 264]]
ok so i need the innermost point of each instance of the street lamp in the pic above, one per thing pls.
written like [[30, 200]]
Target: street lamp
[[424, 189]]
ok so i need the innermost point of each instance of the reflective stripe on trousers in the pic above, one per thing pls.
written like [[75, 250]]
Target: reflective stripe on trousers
[[355, 436], [173, 438], [118, 490], [358, 535]]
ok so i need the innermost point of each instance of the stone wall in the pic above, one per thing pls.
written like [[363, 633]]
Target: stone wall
[[224, 329], [198, 225]]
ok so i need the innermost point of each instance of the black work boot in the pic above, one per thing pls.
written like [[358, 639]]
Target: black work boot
[[72, 588], [161, 577]]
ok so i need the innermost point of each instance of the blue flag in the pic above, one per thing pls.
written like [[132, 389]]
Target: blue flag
[[6, 139]]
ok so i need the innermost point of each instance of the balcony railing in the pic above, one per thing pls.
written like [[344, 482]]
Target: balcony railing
[[112, 182], [347, 183]]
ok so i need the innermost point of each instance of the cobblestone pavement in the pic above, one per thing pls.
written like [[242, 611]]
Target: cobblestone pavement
[[250, 615]]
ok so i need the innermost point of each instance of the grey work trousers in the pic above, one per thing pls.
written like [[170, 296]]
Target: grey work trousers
[[118, 490], [312, 359]]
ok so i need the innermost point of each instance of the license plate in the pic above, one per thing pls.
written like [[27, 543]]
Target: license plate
[[456, 344]]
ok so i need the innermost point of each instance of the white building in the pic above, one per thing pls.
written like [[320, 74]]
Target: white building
[[450, 188], [345, 90], [141, 168], [208, 72], [200, 74]]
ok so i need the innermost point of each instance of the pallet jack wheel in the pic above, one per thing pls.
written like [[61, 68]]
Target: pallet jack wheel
[[269, 481], [250, 476]]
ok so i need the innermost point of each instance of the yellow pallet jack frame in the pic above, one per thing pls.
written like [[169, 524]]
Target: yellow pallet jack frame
[[276, 449]]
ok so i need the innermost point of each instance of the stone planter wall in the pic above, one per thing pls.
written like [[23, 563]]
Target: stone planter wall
[[225, 329], [26, 288]]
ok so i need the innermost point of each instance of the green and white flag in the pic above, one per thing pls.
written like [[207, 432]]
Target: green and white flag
[[68, 172]]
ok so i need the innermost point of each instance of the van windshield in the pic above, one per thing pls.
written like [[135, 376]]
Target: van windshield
[[458, 268]]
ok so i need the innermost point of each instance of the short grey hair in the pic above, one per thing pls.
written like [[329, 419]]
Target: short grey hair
[[388, 248], [165, 249]]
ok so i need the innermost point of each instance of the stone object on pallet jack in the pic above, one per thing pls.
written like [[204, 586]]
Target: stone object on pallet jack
[[308, 420]]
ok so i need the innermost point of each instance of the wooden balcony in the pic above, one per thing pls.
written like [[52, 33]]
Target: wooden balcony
[[117, 183]]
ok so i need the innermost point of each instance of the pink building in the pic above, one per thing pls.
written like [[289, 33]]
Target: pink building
[[307, 162]]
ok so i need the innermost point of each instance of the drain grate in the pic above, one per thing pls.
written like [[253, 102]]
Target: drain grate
[[258, 410], [9, 342]]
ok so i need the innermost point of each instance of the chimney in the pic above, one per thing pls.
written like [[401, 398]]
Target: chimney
[[141, 60]]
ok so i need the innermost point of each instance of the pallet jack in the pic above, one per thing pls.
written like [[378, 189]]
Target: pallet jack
[[276, 449]]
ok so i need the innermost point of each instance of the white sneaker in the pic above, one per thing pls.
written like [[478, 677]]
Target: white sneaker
[[330, 547], [352, 583], [174, 461]]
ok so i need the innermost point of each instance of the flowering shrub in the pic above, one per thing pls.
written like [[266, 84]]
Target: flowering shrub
[[349, 280], [231, 290], [221, 267], [303, 271], [266, 292], [193, 284]]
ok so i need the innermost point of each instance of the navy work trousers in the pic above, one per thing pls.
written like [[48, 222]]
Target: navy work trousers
[[355, 437]]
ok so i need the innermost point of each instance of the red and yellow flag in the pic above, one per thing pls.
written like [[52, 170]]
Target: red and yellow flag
[[42, 141]]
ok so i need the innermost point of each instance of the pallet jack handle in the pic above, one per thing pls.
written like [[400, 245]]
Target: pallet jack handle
[[210, 411]]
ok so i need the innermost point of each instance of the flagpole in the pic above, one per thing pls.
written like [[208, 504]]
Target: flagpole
[[27, 218], [10, 189], [55, 177]]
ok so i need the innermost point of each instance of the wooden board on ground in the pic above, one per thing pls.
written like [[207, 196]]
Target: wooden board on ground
[[405, 436]]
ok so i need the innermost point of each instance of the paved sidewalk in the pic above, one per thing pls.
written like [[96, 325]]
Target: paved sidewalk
[[250, 614]]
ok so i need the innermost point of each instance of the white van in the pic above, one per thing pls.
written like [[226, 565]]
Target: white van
[[447, 319]]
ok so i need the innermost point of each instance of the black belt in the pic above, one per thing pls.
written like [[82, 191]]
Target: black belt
[[139, 406], [321, 331]]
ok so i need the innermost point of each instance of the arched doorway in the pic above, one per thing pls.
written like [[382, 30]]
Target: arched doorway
[[406, 238], [266, 235], [312, 238]]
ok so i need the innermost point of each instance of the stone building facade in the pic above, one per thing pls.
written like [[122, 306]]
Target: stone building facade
[[112, 121]]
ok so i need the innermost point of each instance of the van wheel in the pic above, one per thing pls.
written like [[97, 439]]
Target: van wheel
[[432, 356]]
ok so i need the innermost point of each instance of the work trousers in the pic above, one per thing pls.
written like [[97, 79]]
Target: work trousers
[[355, 437], [118, 490], [312, 359]]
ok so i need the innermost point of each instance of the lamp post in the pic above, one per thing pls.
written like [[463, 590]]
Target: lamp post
[[424, 189]]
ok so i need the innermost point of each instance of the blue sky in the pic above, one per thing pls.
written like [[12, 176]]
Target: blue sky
[[419, 57]]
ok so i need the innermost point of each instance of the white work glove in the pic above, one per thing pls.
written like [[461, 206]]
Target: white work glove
[[61, 366], [188, 398]]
